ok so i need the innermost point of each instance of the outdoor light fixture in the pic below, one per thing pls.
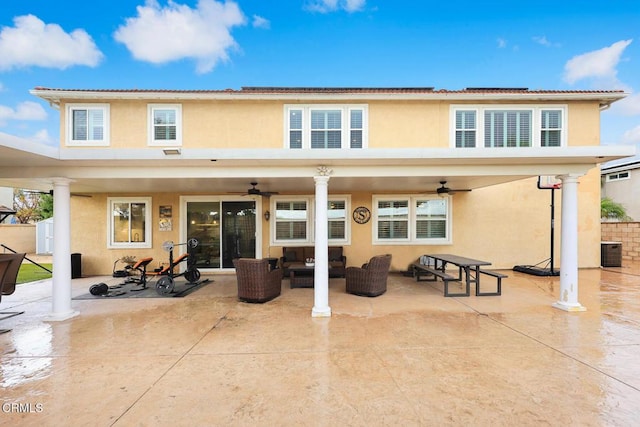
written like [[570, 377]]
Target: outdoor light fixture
[[170, 151], [267, 215]]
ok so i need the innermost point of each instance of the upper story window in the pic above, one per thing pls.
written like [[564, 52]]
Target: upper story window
[[294, 216], [88, 124], [508, 126], [412, 220], [326, 126], [129, 222], [165, 124], [618, 176]]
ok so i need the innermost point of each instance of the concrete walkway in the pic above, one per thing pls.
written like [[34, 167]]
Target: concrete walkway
[[407, 358]]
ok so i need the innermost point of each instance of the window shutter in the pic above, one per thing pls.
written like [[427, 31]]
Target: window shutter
[[295, 128], [551, 125], [465, 129], [80, 125], [356, 127], [507, 128]]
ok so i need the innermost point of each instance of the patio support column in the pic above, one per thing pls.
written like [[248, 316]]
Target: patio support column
[[321, 271], [61, 288], [569, 246]]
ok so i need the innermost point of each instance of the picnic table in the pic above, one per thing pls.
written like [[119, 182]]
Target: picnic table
[[436, 265]]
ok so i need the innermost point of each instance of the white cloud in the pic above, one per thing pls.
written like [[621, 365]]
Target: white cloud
[[631, 136], [326, 6], [164, 34], [629, 106], [260, 22], [27, 110], [542, 40], [502, 43], [31, 42], [599, 65]]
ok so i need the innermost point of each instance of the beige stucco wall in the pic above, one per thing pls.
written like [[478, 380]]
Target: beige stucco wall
[[19, 237], [89, 232], [238, 124]]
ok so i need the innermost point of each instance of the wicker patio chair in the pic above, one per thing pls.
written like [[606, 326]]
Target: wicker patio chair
[[256, 282], [9, 267], [8, 281], [370, 280]]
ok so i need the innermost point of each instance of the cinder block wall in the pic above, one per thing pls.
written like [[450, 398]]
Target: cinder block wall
[[626, 232]]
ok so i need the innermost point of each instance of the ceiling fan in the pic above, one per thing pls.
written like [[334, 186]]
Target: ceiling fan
[[443, 189], [253, 191]]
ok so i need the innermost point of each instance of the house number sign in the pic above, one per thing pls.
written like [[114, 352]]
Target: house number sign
[[361, 215]]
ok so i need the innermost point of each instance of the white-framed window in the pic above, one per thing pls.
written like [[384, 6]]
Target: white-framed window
[[165, 124], [293, 222], [129, 222], [551, 128], [421, 220], [618, 176], [321, 126], [499, 126], [87, 125]]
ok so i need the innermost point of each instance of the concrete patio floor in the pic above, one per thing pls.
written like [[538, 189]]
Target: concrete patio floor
[[409, 357]]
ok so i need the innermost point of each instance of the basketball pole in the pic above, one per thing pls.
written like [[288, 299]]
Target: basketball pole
[[548, 269]]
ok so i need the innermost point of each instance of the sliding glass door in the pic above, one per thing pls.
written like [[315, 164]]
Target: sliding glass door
[[225, 230]]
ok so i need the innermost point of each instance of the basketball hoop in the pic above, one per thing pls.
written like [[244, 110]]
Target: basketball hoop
[[549, 182], [545, 182]]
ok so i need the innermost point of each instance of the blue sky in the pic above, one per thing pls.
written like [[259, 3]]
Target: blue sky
[[208, 44]]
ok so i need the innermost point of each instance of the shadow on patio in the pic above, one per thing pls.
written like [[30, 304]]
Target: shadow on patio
[[408, 357]]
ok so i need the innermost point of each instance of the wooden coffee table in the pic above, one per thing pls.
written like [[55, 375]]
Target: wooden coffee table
[[301, 276]]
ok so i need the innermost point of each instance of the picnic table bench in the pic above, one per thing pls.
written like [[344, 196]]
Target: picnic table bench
[[434, 266]]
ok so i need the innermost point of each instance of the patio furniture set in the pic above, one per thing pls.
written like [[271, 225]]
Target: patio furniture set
[[258, 282]]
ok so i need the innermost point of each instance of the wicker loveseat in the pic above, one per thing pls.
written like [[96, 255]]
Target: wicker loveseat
[[256, 281], [297, 255], [371, 279]]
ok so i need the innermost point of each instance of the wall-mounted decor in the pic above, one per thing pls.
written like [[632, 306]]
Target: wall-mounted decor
[[361, 215], [166, 218]]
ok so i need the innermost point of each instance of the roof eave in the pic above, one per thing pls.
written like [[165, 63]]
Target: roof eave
[[56, 96]]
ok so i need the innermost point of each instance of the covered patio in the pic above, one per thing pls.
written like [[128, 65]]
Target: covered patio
[[408, 357]]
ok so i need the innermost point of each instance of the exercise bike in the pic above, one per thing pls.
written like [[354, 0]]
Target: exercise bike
[[166, 283]]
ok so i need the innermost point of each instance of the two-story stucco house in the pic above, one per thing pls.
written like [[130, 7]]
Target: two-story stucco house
[[351, 167], [621, 183]]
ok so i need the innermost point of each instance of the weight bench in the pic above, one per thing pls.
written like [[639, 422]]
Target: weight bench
[[165, 270], [141, 267], [420, 270]]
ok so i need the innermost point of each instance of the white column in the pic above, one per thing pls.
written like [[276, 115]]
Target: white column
[[321, 274], [61, 288], [569, 246]]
